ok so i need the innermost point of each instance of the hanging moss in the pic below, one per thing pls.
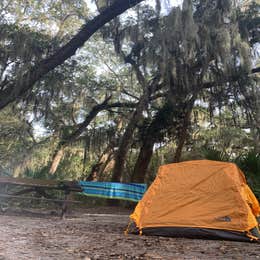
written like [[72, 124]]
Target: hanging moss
[[223, 44]]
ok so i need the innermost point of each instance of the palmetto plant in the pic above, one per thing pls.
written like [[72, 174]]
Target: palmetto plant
[[213, 154], [248, 162]]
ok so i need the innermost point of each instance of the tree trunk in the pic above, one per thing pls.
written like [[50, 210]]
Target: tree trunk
[[127, 139], [181, 141], [123, 148], [105, 163], [183, 134], [99, 167], [143, 162], [14, 90], [56, 160]]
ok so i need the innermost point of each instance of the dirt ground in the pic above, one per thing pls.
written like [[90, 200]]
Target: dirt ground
[[98, 233]]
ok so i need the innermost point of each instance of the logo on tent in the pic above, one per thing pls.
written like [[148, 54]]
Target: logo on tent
[[224, 219]]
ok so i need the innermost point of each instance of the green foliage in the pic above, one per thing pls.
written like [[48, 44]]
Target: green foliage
[[47, 16], [250, 164], [72, 167], [213, 154], [41, 173], [249, 21], [15, 139]]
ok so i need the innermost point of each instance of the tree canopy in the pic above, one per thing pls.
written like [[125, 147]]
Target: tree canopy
[[88, 93]]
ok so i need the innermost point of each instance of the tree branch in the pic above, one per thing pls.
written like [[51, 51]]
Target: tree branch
[[91, 115], [255, 70], [16, 89], [224, 80]]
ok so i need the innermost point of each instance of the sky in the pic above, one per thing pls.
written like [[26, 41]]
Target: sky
[[152, 2]]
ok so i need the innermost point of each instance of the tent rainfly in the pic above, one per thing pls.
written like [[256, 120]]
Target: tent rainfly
[[199, 199]]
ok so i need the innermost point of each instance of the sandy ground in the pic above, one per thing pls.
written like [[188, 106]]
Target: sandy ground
[[99, 234]]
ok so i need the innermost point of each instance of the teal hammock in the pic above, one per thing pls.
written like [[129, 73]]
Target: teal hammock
[[113, 190]]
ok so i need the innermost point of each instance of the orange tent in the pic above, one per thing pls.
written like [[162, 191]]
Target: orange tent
[[204, 199]]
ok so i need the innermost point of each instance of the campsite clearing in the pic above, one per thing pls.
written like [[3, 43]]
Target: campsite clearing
[[97, 233]]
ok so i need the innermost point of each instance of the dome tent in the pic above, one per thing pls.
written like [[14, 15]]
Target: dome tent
[[199, 199]]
